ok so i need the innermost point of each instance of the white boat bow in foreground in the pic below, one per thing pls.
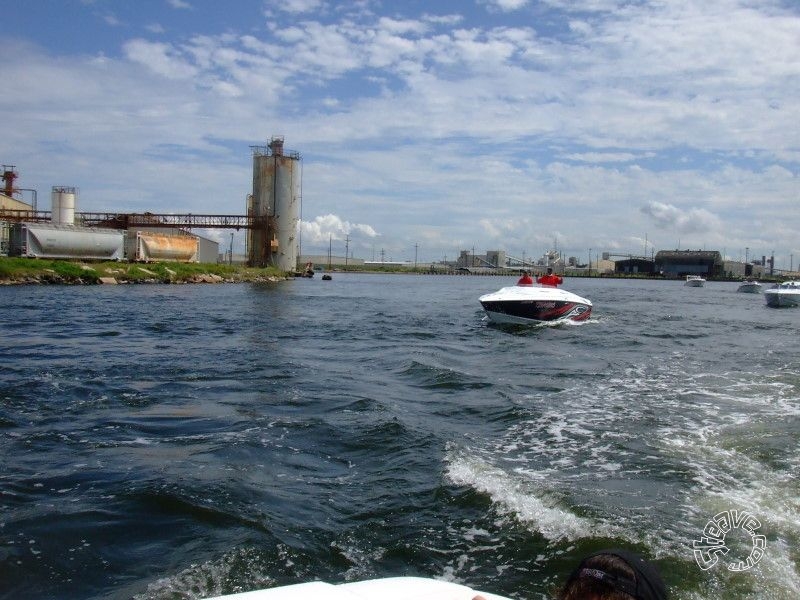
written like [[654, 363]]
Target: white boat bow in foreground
[[783, 294], [526, 304], [391, 588]]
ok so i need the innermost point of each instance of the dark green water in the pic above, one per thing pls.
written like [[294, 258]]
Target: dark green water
[[186, 441]]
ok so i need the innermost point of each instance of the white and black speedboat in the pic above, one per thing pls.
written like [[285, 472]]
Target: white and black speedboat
[[749, 286], [530, 304], [694, 281], [783, 294]]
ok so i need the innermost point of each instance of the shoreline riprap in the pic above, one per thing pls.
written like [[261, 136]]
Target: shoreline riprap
[[28, 271]]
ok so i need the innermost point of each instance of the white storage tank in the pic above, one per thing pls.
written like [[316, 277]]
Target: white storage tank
[[63, 205], [55, 240]]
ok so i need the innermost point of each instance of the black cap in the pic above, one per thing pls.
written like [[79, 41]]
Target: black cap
[[647, 584]]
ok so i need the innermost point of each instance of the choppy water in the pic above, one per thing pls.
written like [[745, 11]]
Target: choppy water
[[185, 441]]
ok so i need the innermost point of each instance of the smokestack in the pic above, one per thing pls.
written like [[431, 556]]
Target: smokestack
[[9, 175], [276, 146]]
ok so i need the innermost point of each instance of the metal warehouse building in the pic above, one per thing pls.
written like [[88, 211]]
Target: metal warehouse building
[[679, 263], [635, 265]]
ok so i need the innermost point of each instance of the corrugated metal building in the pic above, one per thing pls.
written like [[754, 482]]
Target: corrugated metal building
[[635, 265], [9, 203], [207, 250], [679, 263]]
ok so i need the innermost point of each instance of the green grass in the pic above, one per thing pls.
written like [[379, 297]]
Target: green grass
[[69, 271]]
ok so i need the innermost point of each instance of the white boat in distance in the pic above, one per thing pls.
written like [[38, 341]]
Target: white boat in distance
[[390, 588], [694, 281], [531, 304], [783, 294], [750, 287]]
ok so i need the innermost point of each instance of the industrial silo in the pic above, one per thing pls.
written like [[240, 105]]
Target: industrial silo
[[275, 204], [63, 205]]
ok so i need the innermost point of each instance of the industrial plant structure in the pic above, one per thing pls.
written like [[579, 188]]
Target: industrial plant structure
[[275, 207], [273, 215], [678, 263], [60, 237]]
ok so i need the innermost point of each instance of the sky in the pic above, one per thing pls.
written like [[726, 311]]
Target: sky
[[425, 127]]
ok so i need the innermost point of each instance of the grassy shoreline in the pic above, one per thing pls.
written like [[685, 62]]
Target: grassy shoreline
[[21, 271]]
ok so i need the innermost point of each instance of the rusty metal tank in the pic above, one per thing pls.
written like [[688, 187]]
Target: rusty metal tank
[[275, 203], [148, 246]]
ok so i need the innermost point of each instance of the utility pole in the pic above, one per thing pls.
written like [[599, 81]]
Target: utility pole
[[346, 248], [230, 251], [415, 255]]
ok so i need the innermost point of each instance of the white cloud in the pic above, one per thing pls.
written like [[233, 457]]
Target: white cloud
[[295, 6], [179, 4], [160, 58], [326, 227], [601, 157], [693, 220], [506, 5]]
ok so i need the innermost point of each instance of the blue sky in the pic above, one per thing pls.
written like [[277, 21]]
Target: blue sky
[[610, 125]]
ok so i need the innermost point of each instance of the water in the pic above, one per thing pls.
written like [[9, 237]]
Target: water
[[185, 441]]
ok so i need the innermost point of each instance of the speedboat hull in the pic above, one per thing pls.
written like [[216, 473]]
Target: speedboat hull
[[522, 305], [786, 294], [694, 281], [390, 588], [750, 287]]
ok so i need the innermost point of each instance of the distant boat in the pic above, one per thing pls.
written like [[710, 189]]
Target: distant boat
[[750, 287], [308, 271], [783, 294], [694, 281]]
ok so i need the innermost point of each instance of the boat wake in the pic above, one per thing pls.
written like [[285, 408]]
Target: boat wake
[[526, 498], [647, 457]]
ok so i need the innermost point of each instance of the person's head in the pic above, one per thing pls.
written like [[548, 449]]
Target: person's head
[[549, 270], [614, 574]]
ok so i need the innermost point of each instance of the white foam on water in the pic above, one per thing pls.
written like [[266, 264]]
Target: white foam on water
[[209, 578], [361, 559], [718, 440], [731, 441], [528, 501]]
